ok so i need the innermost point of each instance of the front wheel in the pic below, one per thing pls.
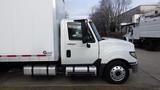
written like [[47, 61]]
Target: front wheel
[[116, 72]]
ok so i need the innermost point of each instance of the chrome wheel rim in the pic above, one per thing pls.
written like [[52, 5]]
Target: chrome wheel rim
[[117, 73]]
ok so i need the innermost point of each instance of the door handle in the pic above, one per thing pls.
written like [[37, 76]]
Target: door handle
[[71, 44], [68, 53]]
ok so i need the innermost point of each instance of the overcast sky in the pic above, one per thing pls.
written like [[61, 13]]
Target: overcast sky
[[82, 8]]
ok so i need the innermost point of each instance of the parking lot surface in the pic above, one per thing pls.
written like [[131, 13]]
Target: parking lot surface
[[147, 78]]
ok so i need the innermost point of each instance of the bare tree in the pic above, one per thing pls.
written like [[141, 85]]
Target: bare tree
[[106, 16]]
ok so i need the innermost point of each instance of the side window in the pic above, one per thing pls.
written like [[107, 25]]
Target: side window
[[74, 31]]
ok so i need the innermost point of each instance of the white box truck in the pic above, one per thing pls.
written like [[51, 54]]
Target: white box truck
[[144, 31], [35, 35]]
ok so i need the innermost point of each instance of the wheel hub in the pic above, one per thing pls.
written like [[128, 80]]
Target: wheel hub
[[117, 73]]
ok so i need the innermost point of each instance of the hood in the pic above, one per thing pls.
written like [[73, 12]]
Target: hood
[[121, 44]]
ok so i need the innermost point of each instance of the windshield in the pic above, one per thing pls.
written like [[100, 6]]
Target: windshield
[[95, 31]]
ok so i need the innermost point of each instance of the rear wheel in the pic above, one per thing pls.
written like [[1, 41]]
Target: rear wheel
[[116, 72]]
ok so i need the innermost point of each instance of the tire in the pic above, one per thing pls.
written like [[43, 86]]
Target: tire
[[116, 72]]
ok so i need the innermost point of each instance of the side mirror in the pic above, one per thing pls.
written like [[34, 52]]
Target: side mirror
[[85, 39], [84, 33]]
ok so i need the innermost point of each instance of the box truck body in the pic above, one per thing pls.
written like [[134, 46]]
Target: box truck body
[[35, 36], [145, 32], [30, 28]]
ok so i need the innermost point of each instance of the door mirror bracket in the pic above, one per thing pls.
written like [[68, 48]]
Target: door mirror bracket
[[88, 45], [85, 39]]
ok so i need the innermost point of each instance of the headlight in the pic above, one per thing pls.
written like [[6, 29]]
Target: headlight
[[133, 54]]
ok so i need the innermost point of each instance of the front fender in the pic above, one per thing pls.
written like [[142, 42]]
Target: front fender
[[119, 54]]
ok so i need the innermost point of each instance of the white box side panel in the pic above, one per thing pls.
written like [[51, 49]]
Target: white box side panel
[[26, 27]]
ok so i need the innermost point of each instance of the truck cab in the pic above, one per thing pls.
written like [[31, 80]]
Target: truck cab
[[84, 51]]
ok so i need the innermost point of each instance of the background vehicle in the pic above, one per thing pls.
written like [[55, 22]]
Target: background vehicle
[[35, 35], [144, 31]]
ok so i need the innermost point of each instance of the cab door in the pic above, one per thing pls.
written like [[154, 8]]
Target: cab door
[[75, 50]]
